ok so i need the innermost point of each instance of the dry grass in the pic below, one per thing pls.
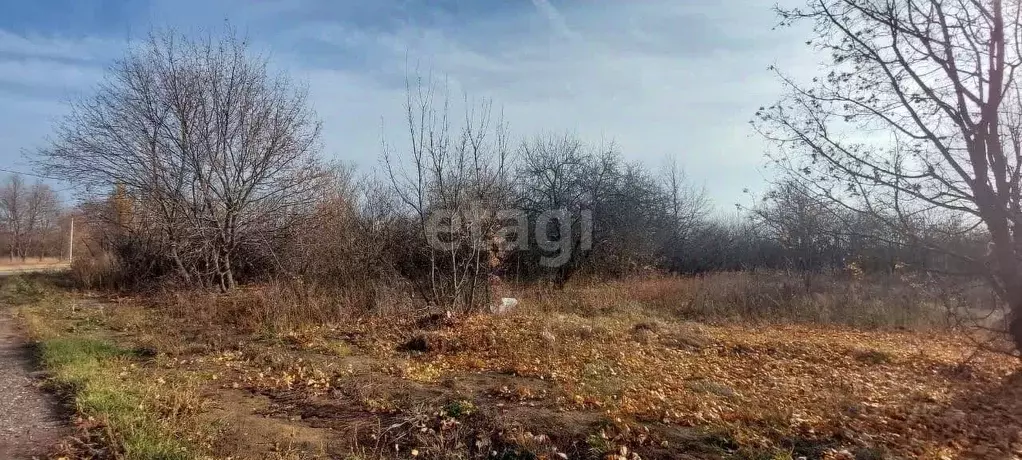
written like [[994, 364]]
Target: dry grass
[[31, 265], [727, 366], [101, 271], [31, 261], [769, 297]]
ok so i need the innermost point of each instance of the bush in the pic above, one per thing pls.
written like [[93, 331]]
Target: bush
[[102, 271]]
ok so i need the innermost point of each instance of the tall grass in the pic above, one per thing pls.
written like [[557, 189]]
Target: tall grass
[[776, 297], [275, 306]]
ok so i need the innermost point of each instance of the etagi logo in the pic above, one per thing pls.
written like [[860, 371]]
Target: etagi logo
[[558, 233]]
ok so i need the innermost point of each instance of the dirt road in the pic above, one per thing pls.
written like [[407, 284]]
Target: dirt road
[[31, 421]]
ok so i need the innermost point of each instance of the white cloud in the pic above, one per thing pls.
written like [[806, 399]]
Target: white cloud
[[39, 74], [640, 74], [554, 16], [658, 77], [355, 111], [56, 47]]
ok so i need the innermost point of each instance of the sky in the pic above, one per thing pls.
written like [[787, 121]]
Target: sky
[[658, 78]]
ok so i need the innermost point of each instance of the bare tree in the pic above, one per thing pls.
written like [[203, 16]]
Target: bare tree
[[453, 179], [621, 216], [12, 201], [561, 172], [42, 213], [688, 207], [918, 120], [28, 217], [213, 152], [803, 225]]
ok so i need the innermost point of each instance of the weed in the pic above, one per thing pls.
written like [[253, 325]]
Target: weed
[[19, 290], [459, 409], [598, 444], [873, 357]]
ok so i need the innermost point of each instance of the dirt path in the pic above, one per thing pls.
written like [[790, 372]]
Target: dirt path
[[31, 423]]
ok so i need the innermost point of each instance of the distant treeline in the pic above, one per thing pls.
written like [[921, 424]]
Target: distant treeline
[[33, 222]]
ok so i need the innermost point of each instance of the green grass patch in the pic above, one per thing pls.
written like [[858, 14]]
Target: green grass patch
[[102, 380], [90, 371]]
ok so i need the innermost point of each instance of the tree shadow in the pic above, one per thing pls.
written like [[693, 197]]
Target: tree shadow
[[983, 425]]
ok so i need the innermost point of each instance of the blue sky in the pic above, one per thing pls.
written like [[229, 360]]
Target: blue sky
[[657, 77]]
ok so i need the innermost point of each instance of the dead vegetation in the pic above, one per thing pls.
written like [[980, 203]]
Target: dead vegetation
[[591, 371]]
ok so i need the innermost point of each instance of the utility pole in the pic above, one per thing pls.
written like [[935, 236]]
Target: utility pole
[[71, 243]]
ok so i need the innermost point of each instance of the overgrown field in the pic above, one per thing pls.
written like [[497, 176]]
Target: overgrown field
[[726, 366]]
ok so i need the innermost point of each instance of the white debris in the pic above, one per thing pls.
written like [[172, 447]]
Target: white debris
[[507, 304]]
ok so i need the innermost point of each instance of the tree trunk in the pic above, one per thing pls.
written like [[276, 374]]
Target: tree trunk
[[229, 273], [1015, 325], [225, 272], [1014, 299], [174, 254]]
